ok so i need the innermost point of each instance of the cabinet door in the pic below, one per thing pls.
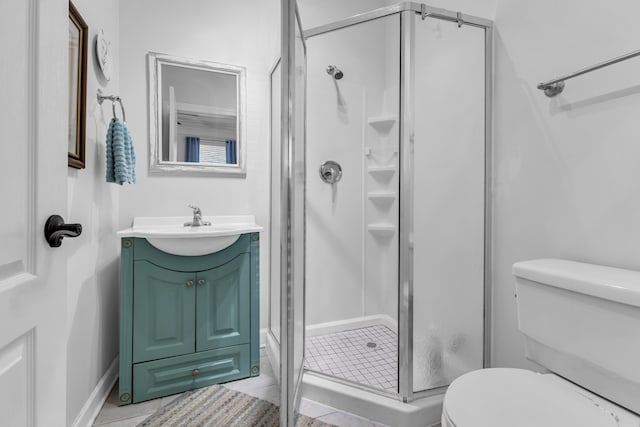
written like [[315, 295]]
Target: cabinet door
[[223, 305], [163, 313]]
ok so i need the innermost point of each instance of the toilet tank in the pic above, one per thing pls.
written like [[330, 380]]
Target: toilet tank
[[582, 322]]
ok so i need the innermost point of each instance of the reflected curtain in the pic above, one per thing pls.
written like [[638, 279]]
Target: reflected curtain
[[193, 149], [232, 155]]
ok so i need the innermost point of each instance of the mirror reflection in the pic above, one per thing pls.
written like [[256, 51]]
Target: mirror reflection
[[198, 111]]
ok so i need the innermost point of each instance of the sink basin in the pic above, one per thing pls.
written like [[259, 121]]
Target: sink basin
[[170, 235]]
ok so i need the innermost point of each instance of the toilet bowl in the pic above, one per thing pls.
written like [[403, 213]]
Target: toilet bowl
[[582, 323], [503, 397]]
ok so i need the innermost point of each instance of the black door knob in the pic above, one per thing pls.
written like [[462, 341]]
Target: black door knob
[[55, 230]]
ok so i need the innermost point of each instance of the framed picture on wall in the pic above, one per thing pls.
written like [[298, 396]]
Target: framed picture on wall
[[78, 35]]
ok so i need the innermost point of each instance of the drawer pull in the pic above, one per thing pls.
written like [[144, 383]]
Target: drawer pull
[[189, 283], [201, 282], [195, 372]]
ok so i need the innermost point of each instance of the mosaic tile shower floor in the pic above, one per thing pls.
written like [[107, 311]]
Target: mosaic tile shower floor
[[368, 356]]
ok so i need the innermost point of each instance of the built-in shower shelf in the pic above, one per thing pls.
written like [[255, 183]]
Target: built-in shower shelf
[[382, 196], [382, 229], [370, 151], [382, 123], [382, 171]]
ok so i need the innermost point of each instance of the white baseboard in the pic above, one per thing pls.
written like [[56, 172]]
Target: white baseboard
[[98, 396], [263, 337]]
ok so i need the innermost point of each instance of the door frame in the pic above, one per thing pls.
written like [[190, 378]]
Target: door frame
[[292, 263]]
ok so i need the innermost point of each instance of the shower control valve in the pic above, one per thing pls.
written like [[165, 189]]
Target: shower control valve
[[330, 172]]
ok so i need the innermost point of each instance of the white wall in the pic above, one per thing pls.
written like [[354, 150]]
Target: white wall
[[93, 258], [319, 12], [239, 33], [566, 169], [480, 8]]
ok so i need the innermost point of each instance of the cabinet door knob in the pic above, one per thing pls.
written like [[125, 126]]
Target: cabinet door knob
[[189, 283], [201, 282], [195, 372]]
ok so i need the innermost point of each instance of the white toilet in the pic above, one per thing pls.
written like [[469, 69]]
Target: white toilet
[[582, 323]]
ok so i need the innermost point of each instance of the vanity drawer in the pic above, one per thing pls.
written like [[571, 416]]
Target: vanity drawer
[[177, 374]]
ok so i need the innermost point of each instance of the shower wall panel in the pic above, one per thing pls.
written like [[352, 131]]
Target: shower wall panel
[[337, 130], [449, 196], [381, 183]]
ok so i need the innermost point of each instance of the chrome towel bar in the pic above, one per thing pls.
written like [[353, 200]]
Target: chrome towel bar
[[555, 86]]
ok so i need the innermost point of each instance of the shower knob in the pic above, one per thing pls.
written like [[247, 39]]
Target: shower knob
[[330, 172], [335, 72]]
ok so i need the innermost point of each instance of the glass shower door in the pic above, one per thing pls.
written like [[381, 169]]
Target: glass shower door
[[292, 236]]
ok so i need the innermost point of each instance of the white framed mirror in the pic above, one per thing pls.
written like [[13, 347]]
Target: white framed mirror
[[196, 116]]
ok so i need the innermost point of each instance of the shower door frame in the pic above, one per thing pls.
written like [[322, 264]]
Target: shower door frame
[[292, 232], [407, 13]]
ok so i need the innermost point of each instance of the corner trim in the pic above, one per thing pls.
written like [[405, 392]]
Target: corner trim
[[99, 395]]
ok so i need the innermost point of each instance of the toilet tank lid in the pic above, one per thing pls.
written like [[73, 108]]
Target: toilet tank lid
[[614, 284]]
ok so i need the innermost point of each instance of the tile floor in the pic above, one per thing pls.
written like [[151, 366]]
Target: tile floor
[[264, 386], [366, 356]]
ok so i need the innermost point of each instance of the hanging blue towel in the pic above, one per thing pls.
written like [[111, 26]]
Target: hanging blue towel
[[121, 158]]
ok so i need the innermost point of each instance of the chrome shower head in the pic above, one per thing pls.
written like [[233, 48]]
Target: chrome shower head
[[334, 71]]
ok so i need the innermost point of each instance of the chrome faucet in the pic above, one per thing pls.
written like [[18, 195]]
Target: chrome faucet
[[197, 218]]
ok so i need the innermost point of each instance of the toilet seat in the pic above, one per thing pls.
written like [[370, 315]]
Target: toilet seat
[[503, 397]]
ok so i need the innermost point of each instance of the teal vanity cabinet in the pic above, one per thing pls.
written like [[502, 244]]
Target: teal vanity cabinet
[[187, 321]]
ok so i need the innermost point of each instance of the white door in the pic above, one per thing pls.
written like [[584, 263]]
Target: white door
[[33, 174]]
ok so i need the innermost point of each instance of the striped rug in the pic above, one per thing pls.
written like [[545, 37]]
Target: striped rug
[[217, 406]]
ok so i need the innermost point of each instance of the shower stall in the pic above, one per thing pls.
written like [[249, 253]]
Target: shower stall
[[389, 161]]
